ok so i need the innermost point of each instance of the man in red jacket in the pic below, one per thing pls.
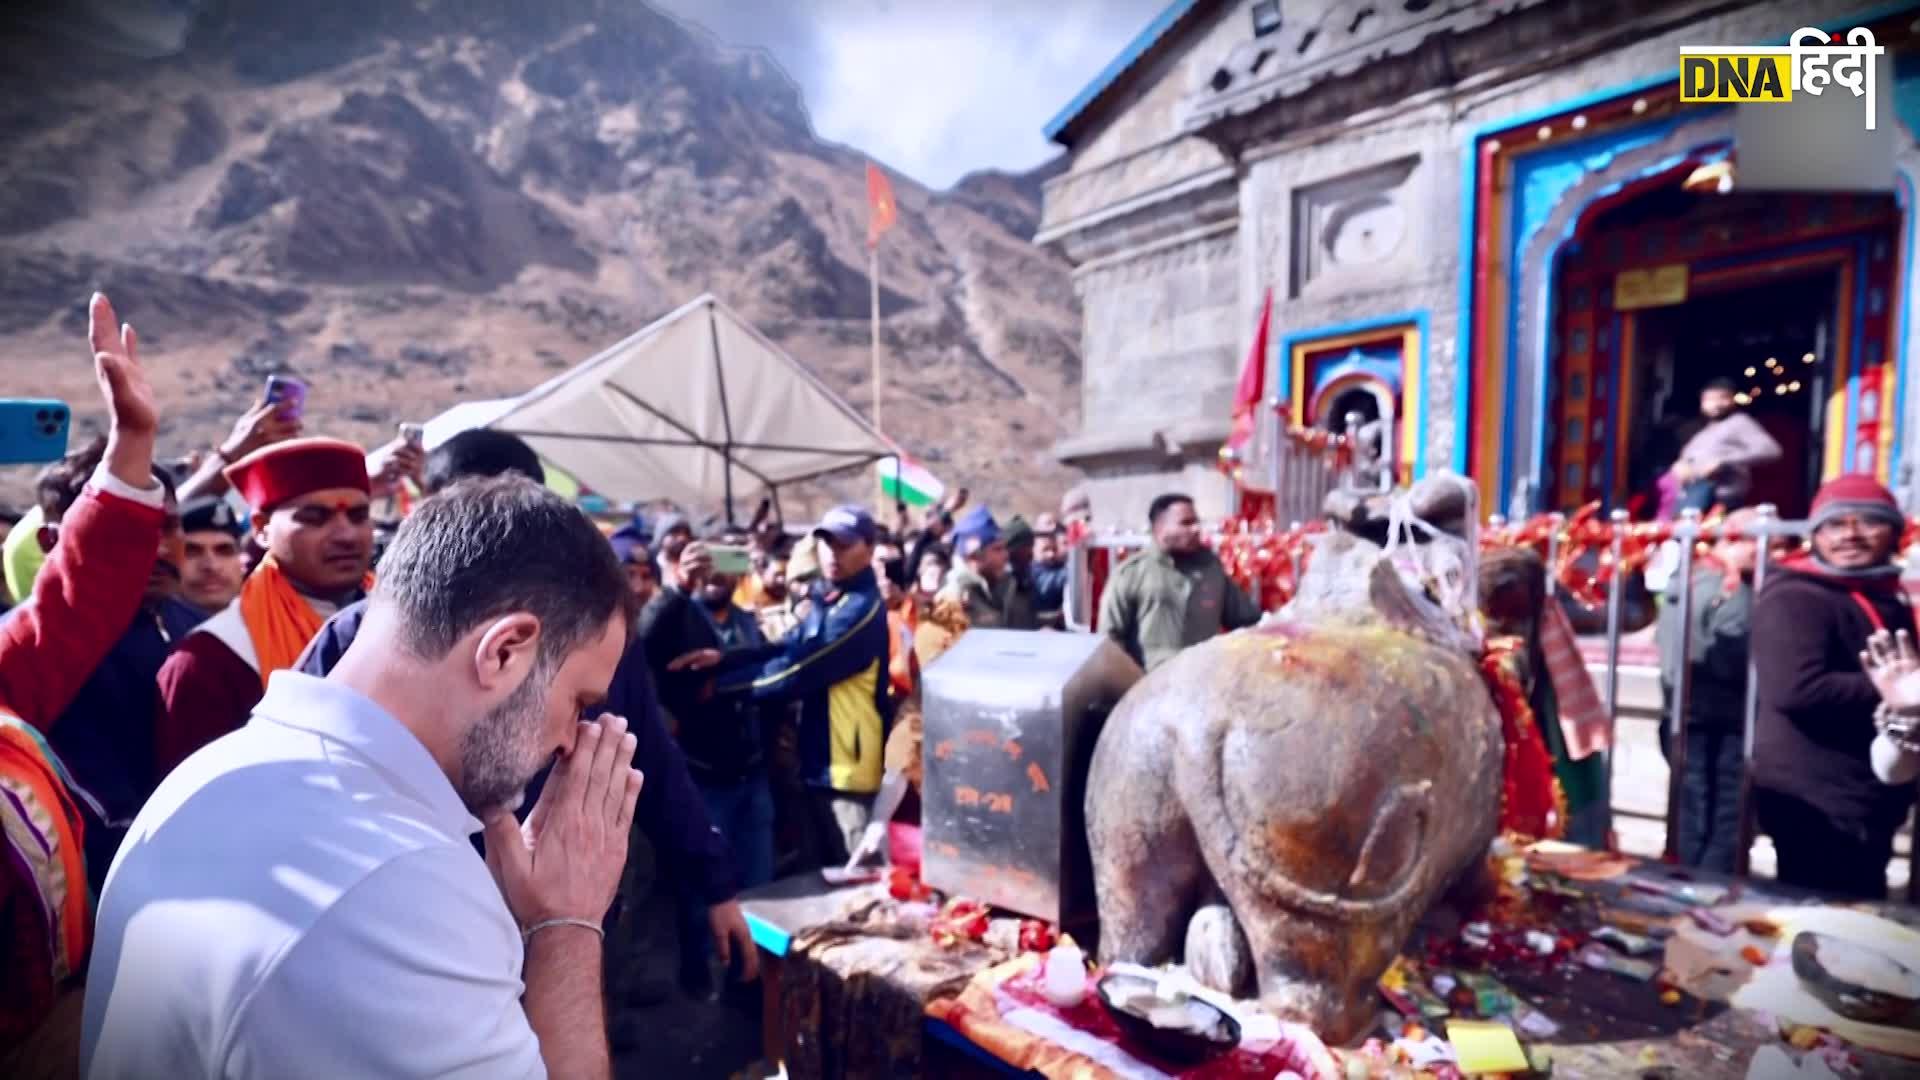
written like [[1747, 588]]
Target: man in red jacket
[[83, 599], [1832, 821]]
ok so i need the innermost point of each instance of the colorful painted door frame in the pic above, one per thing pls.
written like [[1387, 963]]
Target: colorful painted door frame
[[1507, 201], [1302, 354]]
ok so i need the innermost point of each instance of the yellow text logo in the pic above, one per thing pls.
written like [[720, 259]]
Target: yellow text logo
[[1736, 76]]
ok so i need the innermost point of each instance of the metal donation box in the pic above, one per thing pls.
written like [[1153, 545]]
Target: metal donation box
[[1011, 718]]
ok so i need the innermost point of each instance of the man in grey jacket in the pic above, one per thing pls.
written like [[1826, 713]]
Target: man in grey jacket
[[1716, 465]]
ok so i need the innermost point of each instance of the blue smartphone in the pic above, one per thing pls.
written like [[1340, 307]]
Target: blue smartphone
[[32, 431]]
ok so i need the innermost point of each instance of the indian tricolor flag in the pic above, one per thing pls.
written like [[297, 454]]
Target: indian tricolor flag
[[902, 479]]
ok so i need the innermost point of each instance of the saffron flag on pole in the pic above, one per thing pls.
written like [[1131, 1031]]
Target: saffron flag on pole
[[881, 209], [1253, 382], [903, 479]]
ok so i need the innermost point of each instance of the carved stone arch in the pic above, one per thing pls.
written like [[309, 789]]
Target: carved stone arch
[[1606, 172]]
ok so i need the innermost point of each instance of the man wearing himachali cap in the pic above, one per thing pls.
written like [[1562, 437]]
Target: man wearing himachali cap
[[312, 512]]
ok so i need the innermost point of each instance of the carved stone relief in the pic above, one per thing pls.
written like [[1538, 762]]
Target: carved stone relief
[[1354, 222]]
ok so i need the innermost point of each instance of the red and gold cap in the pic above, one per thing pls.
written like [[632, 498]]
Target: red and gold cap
[[274, 474]]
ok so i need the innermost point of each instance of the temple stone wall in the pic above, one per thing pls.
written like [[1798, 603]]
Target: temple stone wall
[[1346, 222], [1168, 321]]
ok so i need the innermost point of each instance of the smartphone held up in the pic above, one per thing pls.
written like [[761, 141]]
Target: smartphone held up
[[32, 430], [289, 393]]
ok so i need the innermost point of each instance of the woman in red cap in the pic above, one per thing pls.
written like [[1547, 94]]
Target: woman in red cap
[[1832, 821]]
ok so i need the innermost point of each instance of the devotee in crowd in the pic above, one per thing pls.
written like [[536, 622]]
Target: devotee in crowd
[[472, 668], [105, 736], [932, 538], [1721, 616], [890, 566], [930, 579], [1516, 603], [776, 616], [313, 514], [1831, 819], [1716, 465], [643, 576], [1175, 593], [671, 533], [834, 664], [983, 578], [690, 852], [27, 544], [212, 566], [88, 590], [720, 737], [1048, 576]]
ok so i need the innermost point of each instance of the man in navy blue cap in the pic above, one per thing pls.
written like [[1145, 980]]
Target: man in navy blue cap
[[214, 564], [630, 547], [835, 665]]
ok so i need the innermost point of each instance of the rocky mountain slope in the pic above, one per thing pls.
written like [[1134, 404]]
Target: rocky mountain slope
[[414, 204]]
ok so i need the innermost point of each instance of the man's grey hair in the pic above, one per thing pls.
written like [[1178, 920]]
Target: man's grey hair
[[485, 548]]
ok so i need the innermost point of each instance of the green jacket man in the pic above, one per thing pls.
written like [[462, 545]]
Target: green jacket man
[[1174, 594], [984, 580]]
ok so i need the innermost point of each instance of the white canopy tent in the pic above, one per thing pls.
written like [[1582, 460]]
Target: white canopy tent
[[698, 408]]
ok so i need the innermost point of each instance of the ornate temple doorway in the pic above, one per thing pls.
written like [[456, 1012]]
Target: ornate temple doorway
[[1774, 341], [1659, 293]]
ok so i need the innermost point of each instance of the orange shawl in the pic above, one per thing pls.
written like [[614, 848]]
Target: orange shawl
[[279, 620]]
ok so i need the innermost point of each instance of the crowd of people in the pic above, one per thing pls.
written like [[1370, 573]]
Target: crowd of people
[[359, 802], [269, 733], [1831, 766]]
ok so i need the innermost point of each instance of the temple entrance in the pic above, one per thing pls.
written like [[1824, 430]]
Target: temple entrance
[[1664, 289], [1773, 341]]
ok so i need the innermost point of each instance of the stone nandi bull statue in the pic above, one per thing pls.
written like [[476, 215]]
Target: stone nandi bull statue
[[1281, 805]]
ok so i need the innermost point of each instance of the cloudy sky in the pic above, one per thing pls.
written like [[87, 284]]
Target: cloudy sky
[[933, 88]]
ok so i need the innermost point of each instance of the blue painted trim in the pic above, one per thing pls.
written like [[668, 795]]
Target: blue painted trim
[[768, 936], [1283, 361], [1137, 48], [1903, 197], [1519, 236], [1464, 375]]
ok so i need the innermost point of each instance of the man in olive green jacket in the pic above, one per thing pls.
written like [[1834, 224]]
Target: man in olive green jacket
[[1174, 594]]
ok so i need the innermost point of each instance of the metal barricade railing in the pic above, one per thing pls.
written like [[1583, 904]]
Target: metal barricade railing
[[1767, 528]]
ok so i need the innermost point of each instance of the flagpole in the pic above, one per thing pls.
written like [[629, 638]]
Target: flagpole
[[873, 289], [873, 281]]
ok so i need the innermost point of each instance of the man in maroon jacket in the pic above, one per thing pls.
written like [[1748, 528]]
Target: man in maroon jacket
[[83, 599], [312, 509], [1832, 821]]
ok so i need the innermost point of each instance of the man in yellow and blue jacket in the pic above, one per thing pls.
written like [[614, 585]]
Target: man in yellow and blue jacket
[[835, 665]]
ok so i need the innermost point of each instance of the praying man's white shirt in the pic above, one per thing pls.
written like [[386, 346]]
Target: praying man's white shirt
[[301, 898]]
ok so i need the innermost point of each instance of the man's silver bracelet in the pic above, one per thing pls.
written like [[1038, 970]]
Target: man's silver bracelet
[[526, 936]]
